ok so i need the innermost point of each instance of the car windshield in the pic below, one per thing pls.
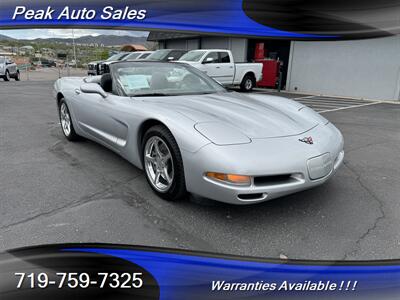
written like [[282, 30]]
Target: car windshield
[[158, 55], [132, 56], [162, 79], [192, 56], [117, 56], [144, 55]]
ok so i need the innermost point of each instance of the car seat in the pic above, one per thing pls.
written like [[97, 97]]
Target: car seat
[[106, 82], [158, 82]]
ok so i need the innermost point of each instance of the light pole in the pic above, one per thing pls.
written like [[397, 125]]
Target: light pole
[[73, 45]]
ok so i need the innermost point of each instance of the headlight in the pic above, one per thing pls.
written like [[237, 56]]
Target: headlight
[[230, 178]]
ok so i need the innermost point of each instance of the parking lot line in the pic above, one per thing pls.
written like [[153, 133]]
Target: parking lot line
[[354, 106], [303, 97], [334, 101], [339, 104], [325, 104]]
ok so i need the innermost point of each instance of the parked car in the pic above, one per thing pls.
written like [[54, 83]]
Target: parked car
[[220, 65], [166, 54], [48, 63], [189, 134], [8, 69], [103, 66], [138, 55], [93, 68]]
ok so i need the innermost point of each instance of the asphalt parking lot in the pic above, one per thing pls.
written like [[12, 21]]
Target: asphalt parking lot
[[322, 104], [54, 191]]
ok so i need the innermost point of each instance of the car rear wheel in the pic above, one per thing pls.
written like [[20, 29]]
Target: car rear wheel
[[163, 164], [248, 83], [66, 122], [7, 76], [17, 76]]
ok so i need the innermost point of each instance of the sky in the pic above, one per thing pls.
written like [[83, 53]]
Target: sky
[[65, 33]]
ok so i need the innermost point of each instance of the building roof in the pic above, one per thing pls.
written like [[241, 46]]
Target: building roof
[[133, 47], [155, 36]]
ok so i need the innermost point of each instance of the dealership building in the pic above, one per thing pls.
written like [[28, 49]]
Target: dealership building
[[366, 69]]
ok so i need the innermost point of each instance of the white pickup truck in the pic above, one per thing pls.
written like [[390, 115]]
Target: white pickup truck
[[219, 64]]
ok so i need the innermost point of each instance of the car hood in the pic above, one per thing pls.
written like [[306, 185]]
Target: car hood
[[263, 117]]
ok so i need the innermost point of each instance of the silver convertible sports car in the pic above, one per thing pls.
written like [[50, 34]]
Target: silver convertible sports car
[[189, 134]]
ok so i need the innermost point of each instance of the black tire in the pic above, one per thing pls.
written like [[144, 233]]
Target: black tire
[[177, 190], [17, 76], [6, 76], [71, 134], [248, 83]]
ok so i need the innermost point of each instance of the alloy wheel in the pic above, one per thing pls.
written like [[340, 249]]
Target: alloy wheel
[[65, 119], [248, 84], [158, 163]]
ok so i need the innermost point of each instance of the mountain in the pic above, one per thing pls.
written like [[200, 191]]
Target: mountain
[[106, 40], [5, 38]]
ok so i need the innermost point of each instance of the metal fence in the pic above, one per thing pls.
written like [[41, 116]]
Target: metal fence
[[48, 73]]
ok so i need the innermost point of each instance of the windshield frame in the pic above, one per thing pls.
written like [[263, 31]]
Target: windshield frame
[[215, 87]]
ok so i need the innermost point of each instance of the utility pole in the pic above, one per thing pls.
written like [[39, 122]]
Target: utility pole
[[73, 45]]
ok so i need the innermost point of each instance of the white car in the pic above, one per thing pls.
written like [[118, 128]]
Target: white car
[[220, 65], [8, 69], [189, 134]]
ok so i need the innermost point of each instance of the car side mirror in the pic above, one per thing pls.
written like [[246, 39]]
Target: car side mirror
[[93, 88], [9, 63]]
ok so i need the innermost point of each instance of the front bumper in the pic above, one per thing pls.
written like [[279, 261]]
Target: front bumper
[[296, 165]]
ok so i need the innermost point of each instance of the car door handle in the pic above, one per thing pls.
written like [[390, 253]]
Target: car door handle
[[217, 67], [77, 91], [231, 67]]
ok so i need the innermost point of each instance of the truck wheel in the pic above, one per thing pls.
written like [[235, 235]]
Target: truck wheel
[[248, 83], [162, 162], [17, 76], [7, 76]]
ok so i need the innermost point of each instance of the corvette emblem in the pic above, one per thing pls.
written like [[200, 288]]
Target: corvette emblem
[[307, 140]]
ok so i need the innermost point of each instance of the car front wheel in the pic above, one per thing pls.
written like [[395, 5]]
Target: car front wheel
[[163, 164], [66, 122]]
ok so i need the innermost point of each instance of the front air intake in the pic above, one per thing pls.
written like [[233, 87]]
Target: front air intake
[[273, 180]]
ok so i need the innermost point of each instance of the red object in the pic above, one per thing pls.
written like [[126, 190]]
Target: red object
[[270, 72], [259, 52]]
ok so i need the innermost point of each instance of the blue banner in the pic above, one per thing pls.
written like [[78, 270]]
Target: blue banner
[[280, 19], [94, 271]]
